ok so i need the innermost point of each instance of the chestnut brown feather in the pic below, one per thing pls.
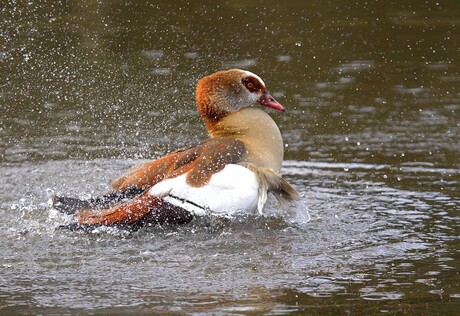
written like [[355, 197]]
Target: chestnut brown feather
[[142, 209], [201, 162]]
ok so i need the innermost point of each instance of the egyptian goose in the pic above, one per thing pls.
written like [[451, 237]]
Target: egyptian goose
[[230, 172]]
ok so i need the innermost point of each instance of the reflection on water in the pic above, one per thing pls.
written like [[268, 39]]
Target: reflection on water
[[372, 144]]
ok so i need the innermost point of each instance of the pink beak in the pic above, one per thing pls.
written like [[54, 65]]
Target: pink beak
[[267, 100]]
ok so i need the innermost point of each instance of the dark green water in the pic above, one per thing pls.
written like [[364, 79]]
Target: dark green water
[[372, 134]]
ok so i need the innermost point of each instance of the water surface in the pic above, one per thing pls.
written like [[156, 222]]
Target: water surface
[[372, 143]]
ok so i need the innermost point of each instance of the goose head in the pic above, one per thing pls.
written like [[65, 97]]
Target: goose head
[[227, 91]]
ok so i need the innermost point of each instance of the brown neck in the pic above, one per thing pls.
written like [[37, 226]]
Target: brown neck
[[257, 130], [209, 109]]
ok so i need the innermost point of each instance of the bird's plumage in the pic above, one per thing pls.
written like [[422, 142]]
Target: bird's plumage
[[231, 171]]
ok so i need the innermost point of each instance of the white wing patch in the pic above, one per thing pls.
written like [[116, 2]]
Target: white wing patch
[[231, 190]]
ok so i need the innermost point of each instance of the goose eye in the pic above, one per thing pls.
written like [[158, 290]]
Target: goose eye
[[251, 85]]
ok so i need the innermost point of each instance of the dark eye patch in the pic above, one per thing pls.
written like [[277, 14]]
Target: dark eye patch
[[252, 84]]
